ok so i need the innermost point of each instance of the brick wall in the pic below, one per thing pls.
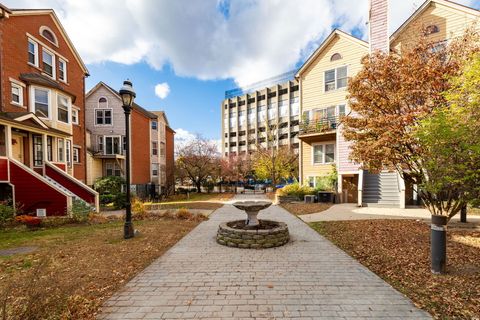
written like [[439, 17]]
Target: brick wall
[[140, 148], [14, 57], [378, 25]]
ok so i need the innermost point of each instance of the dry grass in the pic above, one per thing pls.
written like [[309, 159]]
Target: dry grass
[[77, 267], [399, 252], [299, 208], [186, 205]]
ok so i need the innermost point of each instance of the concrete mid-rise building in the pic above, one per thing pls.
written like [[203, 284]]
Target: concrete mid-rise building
[[246, 113]]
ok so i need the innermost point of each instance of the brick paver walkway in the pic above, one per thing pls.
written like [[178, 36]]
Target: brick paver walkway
[[309, 278]]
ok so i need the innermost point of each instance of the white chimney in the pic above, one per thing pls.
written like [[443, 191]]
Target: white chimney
[[378, 26]]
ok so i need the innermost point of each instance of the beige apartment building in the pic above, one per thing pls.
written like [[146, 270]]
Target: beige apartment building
[[246, 114]]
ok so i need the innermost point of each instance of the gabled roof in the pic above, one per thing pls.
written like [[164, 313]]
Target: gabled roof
[[145, 112], [163, 115], [325, 43], [51, 13], [425, 5]]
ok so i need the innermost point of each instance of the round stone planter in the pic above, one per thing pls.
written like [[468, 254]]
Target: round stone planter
[[257, 238]]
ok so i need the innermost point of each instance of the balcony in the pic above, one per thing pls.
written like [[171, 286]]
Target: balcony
[[324, 127]]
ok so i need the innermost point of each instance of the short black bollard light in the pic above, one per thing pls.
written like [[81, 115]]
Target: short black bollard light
[[438, 246]]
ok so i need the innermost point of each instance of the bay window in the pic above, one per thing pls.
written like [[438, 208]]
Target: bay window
[[61, 149], [49, 148]]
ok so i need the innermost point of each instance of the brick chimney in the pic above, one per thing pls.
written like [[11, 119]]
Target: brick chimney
[[378, 26]]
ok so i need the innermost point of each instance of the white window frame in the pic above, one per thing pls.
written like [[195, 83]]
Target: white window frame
[[20, 93], [154, 124], [120, 145], [32, 101], [98, 103], [43, 28], [155, 147], [323, 144], [153, 169], [36, 60], [53, 76], [63, 63], [103, 124], [68, 152], [69, 108], [336, 79], [77, 114], [76, 155], [61, 155]]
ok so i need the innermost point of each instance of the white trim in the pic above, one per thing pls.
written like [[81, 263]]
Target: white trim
[[77, 111], [335, 79], [69, 108], [43, 28], [95, 117], [32, 101], [120, 144], [20, 83], [20, 94], [65, 68], [48, 52], [78, 154], [323, 144], [32, 116], [36, 54], [44, 45]]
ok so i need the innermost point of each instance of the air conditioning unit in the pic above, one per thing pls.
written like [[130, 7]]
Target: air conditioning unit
[[41, 212], [309, 199]]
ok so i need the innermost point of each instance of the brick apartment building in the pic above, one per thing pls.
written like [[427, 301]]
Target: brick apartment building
[[151, 141], [42, 114]]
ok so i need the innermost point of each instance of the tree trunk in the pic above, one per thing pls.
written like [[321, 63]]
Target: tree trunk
[[463, 214], [199, 187]]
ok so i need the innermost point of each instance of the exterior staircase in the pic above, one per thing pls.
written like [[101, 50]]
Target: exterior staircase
[[381, 190]]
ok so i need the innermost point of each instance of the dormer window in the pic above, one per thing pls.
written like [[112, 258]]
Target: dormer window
[[335, 57], [102, 102], [431, 29], [48, 34]]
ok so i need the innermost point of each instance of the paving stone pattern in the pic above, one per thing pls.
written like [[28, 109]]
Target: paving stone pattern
[[308, 278]]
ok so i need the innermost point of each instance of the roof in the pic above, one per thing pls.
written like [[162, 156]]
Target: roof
[[161, 114], [29, 119], [56, 20], [425, 5], [135, 106], [324, 44], [5, 12], [37, 78]]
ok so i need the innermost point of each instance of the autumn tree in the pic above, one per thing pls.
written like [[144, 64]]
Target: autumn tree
[[197, 159], [450, 142], [272, 161], [389, 98]]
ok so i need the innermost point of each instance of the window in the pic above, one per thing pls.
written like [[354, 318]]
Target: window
[[48, 34], [102, 102], [323, 153], [124, 142], [294, 106], [68, 150], [76, 155], [62, 70], [112, 145], [341, 110], [62, 108], [37, 151], [261, 113], [42, 102], [335, 57], [154, 125], [155, 169], [283, 108], [61, 148], [49, 148], [48, 60], [17, 94], [272, 111], [241, 118], [251, 115], [32, 52], [75, 116], [103, 117], [100, 143], [233, 119], [336, 78], [154, 148], [431, 29], [113, 169]]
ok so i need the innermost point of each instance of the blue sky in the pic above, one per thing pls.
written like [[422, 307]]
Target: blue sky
[[199, 49]]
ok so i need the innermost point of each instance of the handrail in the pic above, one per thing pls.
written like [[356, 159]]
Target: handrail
[[320, 125]]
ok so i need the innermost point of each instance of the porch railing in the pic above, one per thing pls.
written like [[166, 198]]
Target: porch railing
[[323, 125]]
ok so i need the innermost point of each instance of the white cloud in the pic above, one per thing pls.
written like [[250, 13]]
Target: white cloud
[[183, 137], [258, 39], [162, 90]]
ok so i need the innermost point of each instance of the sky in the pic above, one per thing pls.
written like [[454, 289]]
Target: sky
[[182, 55]]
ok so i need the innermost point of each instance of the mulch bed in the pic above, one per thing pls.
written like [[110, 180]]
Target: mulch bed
[[399, 252], [299, 208]]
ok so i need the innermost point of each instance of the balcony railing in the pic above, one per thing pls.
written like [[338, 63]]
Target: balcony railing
[[323, 125]]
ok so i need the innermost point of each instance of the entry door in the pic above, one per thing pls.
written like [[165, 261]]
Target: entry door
[[17, 147]]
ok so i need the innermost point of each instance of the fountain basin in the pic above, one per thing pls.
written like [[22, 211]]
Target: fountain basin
[[252, 208], [267, 234]]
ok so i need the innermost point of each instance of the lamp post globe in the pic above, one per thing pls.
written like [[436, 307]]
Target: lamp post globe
[[128, 95]]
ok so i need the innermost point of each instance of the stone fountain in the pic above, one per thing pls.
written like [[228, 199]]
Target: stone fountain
[[252, 233]]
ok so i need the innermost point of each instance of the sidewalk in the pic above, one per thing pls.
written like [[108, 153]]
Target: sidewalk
[[309, 278]]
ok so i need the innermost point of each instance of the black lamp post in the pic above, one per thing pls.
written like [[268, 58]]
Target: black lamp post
[[128, 94]]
